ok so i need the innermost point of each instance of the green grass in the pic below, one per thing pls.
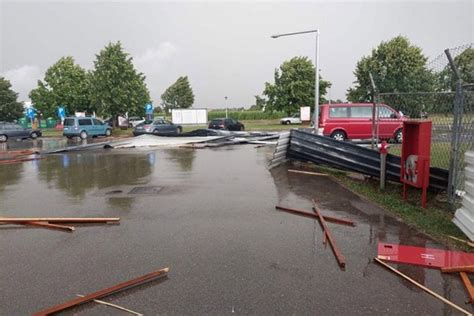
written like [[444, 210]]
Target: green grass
[[434, 221], [440, 153]]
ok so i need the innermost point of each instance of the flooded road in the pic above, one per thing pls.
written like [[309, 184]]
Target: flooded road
[[209, 215]]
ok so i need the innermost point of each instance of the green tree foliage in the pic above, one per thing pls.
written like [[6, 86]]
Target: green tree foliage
[[259, 104], [179, 95], [10, 108], [465, 64], [294, 86], [397, 66], [65, 83], [116, 87]]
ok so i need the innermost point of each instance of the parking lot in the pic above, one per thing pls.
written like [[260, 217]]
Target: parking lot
[[209, 215]]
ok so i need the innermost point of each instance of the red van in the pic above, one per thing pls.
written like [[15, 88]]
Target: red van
[[354, 121]]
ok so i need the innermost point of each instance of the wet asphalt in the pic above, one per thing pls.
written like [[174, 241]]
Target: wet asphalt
[[209, 215]]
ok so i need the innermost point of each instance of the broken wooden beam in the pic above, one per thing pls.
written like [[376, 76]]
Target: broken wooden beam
[[422, 287], [60, 219], [468, 285], [15, 160], [102, 293], [470, 244], [311, 215], [308, 172], [114, 306], [469, 269], [47, 225], [335, 249]]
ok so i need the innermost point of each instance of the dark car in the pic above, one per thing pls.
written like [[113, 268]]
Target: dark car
[[227, 124], [157, 127], [13, 130]]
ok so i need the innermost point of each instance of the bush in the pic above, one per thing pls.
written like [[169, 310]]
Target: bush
[[245, 115]]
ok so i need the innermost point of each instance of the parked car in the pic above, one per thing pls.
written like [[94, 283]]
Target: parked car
[[294, 119], [15, 131], [157, 127], [84, 127], [226, 123], [354, 121], [135, 120]]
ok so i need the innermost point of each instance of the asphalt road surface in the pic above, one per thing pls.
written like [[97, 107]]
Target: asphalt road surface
[[209, 215]]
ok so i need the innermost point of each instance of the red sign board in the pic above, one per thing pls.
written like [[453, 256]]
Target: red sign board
[[427, 257]]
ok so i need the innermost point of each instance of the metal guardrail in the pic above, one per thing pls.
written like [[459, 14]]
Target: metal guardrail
[[306, 146], [464, 217]]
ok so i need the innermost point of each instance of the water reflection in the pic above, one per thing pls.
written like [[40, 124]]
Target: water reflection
[[10, 174], [77, 174], [184, 157]]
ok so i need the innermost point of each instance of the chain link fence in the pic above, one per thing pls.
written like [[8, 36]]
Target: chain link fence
[[449, 104]]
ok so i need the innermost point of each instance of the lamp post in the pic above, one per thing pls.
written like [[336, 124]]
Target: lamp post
[[316, 73], [225, 106]]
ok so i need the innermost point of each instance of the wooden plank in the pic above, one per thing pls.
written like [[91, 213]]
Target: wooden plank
[[96, 295], [470, 244], [468, 269], [47, 225], [335, 249], [467, 285], [422, 287], [114, 306], [16, 160], [311, 215], [60, 219], [308, 172]]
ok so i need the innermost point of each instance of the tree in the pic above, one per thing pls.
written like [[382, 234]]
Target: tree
[[397, 66], [116, 87], [465, 64], [294, 86], [259, 104], [65, 83], [179, 95], [10, 108]]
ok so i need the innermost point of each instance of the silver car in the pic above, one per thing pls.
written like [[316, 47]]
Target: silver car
[[15, 131]]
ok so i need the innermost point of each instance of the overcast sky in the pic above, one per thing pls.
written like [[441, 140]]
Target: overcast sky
[[223, 47]]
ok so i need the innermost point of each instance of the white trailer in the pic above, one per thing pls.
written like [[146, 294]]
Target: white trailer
[[189, 116]]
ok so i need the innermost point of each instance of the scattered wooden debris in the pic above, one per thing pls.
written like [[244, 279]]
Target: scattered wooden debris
[[312, 215], [47, 222], [308, 172], [114, 306], [470, 244], [335, 249], [48, 225], [59, 219], [104, 292], [468, 285], [469, 269], [422, 287], [16, 160]]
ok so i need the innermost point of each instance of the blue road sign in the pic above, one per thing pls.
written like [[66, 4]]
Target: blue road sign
[[61, 112], [149, 108], [30, 112]]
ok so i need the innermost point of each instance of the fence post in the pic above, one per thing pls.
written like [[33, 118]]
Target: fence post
[[374, 101], [456, 130]]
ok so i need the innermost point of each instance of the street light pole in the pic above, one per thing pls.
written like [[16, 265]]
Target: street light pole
[[225, 106], [316, 73]]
